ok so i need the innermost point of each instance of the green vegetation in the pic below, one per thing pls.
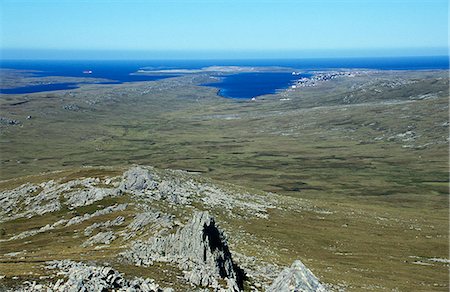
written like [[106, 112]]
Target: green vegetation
[[361, 164]]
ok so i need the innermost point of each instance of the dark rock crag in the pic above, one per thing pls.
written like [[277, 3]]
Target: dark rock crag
[[199, 248]]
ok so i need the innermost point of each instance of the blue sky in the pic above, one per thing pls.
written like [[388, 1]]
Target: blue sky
[[244, 28]]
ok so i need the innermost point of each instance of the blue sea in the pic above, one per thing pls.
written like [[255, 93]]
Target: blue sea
[[249, 85], [243, 85]]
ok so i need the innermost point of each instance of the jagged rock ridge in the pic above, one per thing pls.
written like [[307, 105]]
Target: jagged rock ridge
[[146, 203], [199, 247]]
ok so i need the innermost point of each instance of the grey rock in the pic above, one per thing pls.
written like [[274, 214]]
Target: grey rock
[[102, 237], [254, 205], [82, 277], [146, 184], [110, 223], [7, 121], [138, 180], [260, 272], [10, 200], [157, 220], [71, 107], [143, 219], [174, 192], [107, 210], [88, 196], [297, 278], [199, 248], [36, 231], [29, 200]]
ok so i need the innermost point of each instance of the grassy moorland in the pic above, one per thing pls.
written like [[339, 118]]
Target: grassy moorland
[[365, 160]]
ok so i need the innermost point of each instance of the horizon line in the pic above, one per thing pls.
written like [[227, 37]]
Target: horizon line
[[205, 54], [223, 58]]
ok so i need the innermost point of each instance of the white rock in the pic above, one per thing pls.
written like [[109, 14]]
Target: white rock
[[296, 278]]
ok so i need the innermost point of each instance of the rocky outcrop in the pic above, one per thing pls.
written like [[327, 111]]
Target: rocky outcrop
[[11, 122], [36, 231], [29, 200], [138, 180], [246, 203], [100, 238], [175, 191], [154, 220], [144, 183], [88, 196], [71, 107], [107, 210], [82, 277], [102, 225], [296, 278], [10, 200], [143, 203], [199, 248]]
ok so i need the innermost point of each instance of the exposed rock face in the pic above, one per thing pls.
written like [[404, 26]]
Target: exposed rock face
[[142, 182], [36, 231], [175, 192], [138, 180], [156, 204], [82, 277], [30, 200], [87, 197], [154, 220], [143, 219], [101, 225], [101, 237], [9, 200], [212, 196], [199, 248], [107, 210], [296, 278]]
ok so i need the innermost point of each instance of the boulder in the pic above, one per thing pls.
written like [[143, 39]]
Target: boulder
[[297, 278]]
